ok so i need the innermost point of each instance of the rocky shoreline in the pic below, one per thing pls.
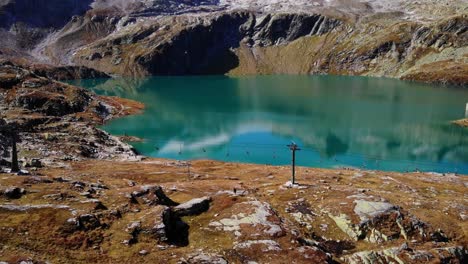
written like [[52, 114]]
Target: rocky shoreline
[[56, 122]]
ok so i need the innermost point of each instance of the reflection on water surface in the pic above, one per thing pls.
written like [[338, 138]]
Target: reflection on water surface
[[338, 121]]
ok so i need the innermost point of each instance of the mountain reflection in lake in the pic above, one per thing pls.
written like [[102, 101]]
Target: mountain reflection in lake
[[338, 121]]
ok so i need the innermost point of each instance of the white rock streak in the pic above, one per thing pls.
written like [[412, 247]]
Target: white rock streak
[[259, 217]]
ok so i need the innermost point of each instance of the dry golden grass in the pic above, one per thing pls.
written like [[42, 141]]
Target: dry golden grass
[[435, 199]]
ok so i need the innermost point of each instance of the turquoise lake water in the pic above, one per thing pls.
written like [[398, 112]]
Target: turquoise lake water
[[370, 123]]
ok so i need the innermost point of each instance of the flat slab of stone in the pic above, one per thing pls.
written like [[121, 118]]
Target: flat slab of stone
[[367, 210], [193, 207], [205, 258]]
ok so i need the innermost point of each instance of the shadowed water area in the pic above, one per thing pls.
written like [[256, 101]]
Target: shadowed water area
[[370, 123]]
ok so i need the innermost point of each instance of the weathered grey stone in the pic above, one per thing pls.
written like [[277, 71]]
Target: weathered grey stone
[[99, 186], [23, 173], [373, 257], [61, 179], [133, 226], [398, 255], [37, 179], [345, 224], [193, 207], [252, 214], [78, 184], [204, 258], [24, 208], [367, 210], [152, 194], [143, 252], [267, 245]]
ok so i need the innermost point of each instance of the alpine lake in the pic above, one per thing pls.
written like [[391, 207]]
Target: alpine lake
[[337, 121]]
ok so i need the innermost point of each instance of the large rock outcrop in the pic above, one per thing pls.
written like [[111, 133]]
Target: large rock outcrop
[[56, 121], [182, 45]]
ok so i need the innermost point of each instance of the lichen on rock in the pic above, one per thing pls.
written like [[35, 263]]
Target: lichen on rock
[[253, 215]]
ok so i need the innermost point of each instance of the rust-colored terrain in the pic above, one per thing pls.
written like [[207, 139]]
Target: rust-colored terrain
[[116, 212]]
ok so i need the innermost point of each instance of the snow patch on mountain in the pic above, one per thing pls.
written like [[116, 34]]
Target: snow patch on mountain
[[275, 5], [412, 9]]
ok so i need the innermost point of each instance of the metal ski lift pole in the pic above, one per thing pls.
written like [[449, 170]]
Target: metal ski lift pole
[[293, 147]]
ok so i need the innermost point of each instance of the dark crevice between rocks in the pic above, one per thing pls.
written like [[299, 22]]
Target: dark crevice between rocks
[[176, 230], [152, 195], [163, 199], [134, 236]]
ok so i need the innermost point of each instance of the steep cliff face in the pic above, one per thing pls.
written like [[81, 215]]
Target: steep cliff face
[[434, 52], [207, 45]]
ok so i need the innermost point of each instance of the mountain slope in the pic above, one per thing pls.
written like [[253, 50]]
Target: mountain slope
[[415, 40]]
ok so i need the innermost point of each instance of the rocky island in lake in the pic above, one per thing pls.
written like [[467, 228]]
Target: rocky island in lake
[[160, 131]]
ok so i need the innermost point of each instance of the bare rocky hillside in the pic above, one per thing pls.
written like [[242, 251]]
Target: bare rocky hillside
[[416, 40]]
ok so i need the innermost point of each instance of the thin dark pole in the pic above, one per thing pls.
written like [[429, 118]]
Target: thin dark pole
[[293, 147], [294, 166]]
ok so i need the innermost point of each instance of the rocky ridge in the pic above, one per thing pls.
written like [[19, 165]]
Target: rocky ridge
[[423, 41]]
